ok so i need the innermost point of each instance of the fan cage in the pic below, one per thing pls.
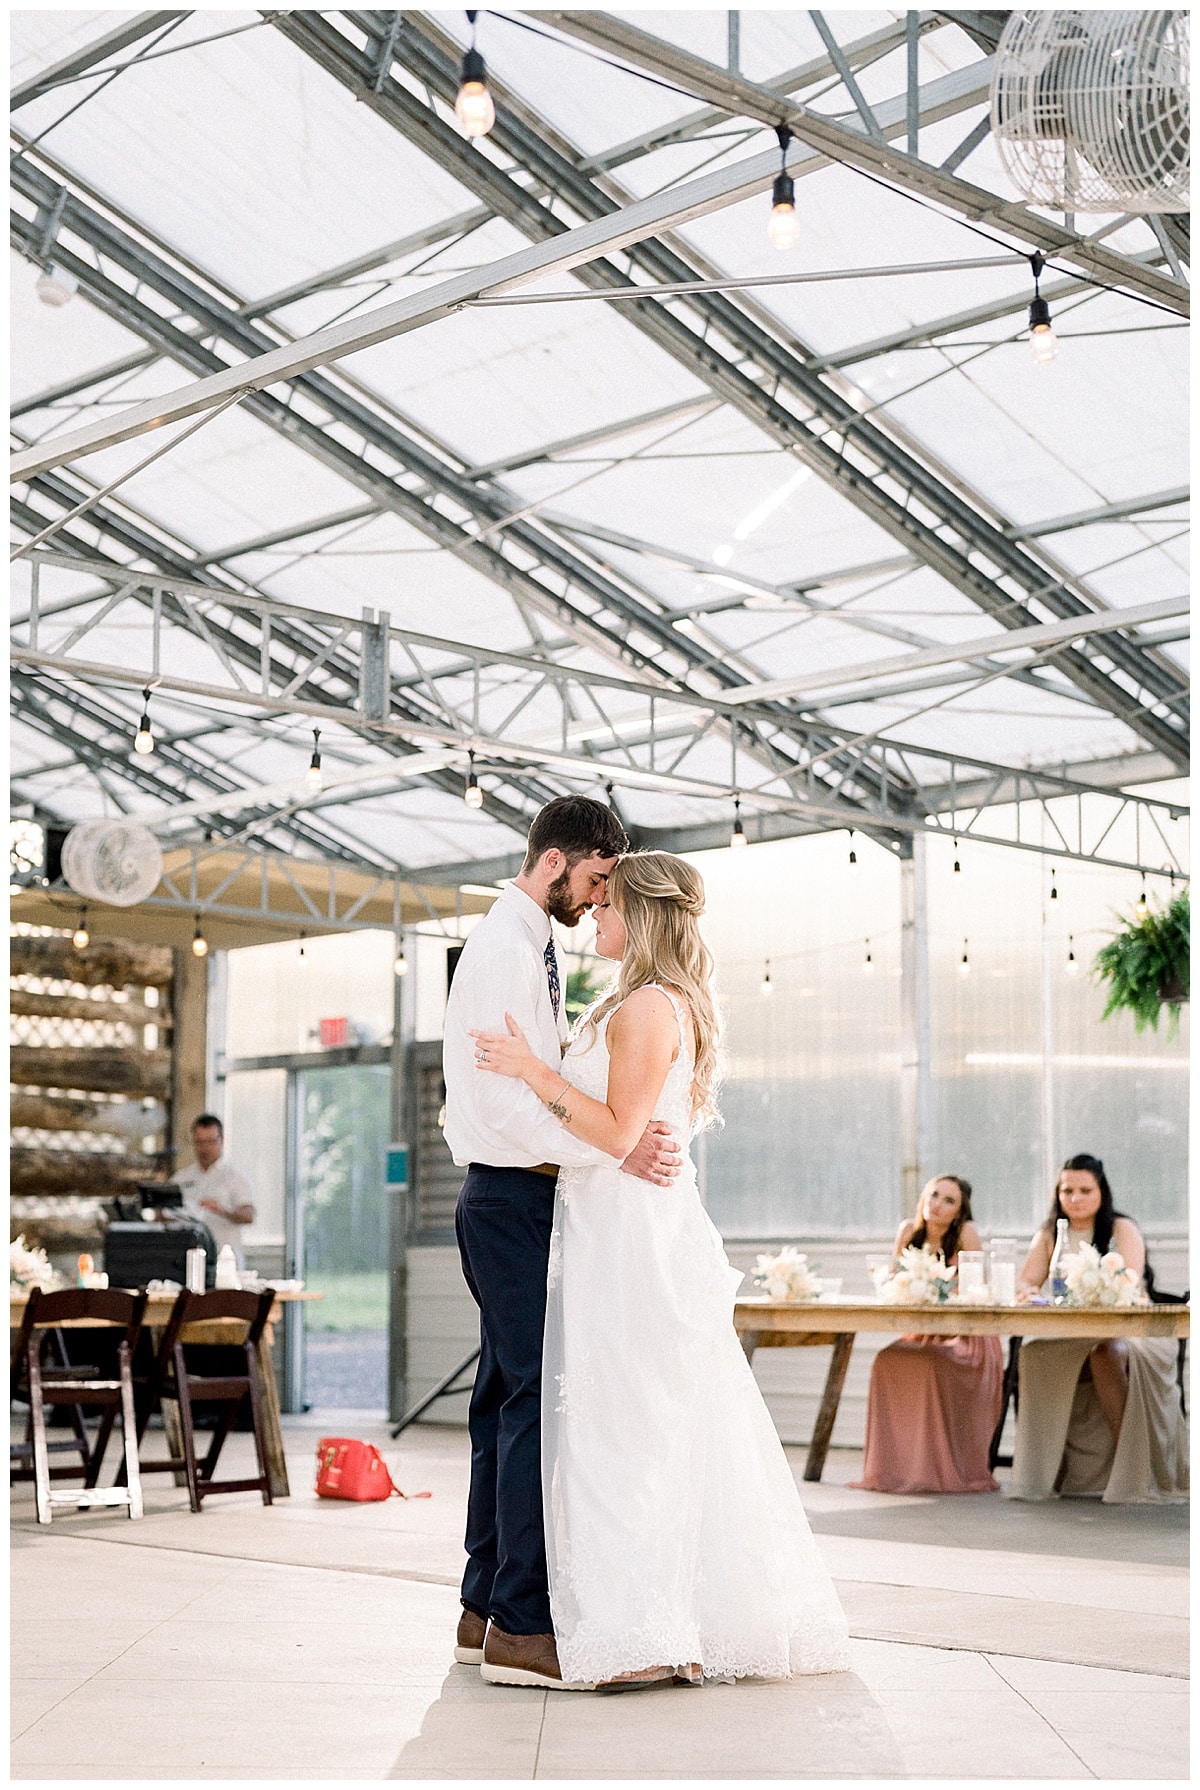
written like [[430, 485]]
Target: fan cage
[[113, 861], [1091, 111]]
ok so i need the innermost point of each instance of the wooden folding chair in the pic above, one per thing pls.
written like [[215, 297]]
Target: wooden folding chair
[[76, 1386], [172, 1380]]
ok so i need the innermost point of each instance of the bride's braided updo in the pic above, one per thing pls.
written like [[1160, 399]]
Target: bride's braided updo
[[660, 898]]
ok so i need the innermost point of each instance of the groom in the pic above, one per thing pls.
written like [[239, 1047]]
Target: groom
[[512, 1148]]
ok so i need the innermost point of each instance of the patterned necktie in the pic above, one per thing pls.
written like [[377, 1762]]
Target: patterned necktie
[[552, 977]]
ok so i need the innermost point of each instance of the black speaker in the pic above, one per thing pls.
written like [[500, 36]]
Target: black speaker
[[136, 1253]]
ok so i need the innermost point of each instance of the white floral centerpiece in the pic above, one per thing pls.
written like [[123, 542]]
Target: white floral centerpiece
[[1095, 1279], [919, 1278], [30, 1267], [787, 1275]]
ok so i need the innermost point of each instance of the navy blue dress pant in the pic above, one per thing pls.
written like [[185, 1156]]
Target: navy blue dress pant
[[503, 1222]]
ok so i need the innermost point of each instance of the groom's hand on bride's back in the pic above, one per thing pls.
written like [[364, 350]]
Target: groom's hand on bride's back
[[656, 1156]]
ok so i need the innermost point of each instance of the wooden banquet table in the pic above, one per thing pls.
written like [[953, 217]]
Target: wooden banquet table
[[158, 1311], [763, 1323]]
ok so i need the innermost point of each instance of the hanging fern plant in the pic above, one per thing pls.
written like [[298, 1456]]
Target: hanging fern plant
[[1146, 966]]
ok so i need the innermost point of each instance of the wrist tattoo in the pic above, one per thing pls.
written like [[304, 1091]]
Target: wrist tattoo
[[556, 1106]]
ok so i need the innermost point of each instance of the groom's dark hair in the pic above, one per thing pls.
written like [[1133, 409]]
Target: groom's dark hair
[[578, 827]]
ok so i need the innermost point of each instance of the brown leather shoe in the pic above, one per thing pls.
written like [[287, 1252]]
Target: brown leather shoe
[[524, 1659], [468, 1643]]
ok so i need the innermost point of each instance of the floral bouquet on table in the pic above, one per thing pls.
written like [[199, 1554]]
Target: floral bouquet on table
[[1095, 1279], [919, 1278], [787, 1275], [30, 1267]]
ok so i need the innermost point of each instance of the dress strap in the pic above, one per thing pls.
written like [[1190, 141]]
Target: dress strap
[[686, 1041]]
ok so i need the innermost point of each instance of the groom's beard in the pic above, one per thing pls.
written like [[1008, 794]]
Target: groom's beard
[[559, 904]]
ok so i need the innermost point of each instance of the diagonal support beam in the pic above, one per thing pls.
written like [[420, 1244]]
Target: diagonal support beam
[[605, 236], [732, 349], [843, 143], [90, 56]]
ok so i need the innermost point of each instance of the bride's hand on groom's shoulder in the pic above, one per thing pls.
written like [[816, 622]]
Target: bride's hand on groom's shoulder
[[503, 1053]]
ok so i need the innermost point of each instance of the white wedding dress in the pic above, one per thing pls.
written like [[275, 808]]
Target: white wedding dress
[[674, 1530]]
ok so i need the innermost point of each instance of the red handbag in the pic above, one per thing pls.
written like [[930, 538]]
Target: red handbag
[[355, 1471]]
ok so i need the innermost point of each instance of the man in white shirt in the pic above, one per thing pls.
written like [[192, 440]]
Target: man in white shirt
[[512, 1148], [213, 1189]]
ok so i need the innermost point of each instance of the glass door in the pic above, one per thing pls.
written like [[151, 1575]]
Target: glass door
[[342, 1129]]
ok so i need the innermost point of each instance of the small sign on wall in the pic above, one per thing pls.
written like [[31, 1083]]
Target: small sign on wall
[[334, 1032], [397, 1165]]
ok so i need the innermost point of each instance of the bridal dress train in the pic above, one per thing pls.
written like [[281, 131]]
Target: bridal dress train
[[675, 1533]]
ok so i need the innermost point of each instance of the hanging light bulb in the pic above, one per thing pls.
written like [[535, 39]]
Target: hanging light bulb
[[56, 287], [303, 958], [608, 793], [1142, 905], [1043, 343], [738, 836], [957, 865], [472, 794], [1072, 966], [1053, 884], [400, 961], [143, 739], [853, 853], [764, 987], [81, 937], [783, 225], [868, 966], [313, 774], [473, 108], [199, 942], [964, 965]]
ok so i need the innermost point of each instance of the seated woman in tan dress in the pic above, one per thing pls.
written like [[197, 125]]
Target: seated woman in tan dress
[[934, 1400], [1095, 1419]]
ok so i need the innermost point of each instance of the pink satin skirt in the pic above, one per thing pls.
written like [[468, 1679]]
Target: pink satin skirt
[[932, 1409]]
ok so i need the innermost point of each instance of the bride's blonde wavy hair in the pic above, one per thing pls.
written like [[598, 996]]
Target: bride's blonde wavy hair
[[660, 899]]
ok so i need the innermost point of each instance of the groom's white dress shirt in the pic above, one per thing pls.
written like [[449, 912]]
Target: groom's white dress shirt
[[496, 1118]]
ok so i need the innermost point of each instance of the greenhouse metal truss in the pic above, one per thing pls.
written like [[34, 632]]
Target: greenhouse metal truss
[[616, 687]]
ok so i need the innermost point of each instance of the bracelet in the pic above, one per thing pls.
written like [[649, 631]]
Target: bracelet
[[556, 1106]]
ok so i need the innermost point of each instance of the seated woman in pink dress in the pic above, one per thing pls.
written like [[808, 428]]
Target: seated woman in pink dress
[[934, 1400]]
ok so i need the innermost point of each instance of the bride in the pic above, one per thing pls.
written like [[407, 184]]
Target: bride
[[676, 1541]]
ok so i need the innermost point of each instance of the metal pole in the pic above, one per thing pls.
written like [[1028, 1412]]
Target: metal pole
[[915, 1033], [403, 1121], [1048, 1152], [912, 25]]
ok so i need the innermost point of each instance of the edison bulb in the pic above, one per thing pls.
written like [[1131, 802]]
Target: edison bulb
[[474, 109], [783, 227], [81, 937], [1043, 344]]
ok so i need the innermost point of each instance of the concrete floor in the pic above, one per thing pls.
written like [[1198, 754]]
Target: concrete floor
[[312, 1641]]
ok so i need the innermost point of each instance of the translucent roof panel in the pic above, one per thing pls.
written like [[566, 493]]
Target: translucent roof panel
[[596, 528]]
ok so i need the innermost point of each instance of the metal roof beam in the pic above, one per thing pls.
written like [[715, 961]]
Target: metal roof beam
[[90, 56], [82, 382], [88, 735], [843, 143], [665, 413], [966, 652], [859, 54], [619, 607], [444, 231], [902, 493], [606, 235], [299, 531], [1106, 512]]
